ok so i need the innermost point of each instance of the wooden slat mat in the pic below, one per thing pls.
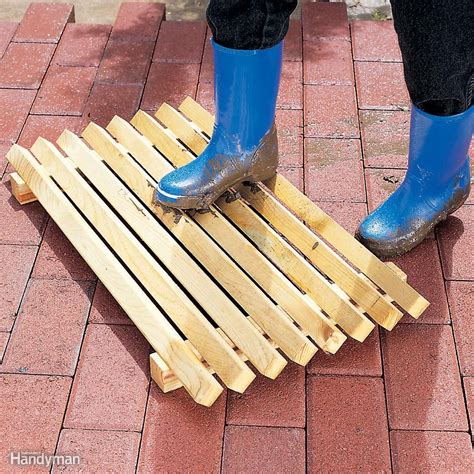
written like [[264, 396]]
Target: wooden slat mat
[[263, 277]]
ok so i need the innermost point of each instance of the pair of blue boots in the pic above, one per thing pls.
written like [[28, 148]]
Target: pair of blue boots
[[244, 147]]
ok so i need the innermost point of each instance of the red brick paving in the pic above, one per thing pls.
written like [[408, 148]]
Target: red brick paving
[[347, 425], [328, 62], [49, 127], [23, 65], [52, 321], [4, 336], [64, 91], [16, 262], [14, 108], [180, 435], [44, 23], [431, 451], [375, 41], [105, 309], [381, 86], [7, 30], [47, 336], [250, 449], [423, 392], [160, 89], [291, 87], [82, 45], [138, 21], [125, 62], [32, 408], [330, 112], [108, 100], [353, 358], [334, 170], [268, 402], [111, 384], [100, 451], [461, 302], [293, 46], [180, 42], [429, 282], [385, 138], [456, 241]]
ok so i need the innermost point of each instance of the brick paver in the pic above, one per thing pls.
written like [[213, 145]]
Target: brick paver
[[104, 451], [181, 434], [44, 23], [47, 336], [261, 449], [16, 262], [334, 170], [431, 451], [180, 42], [268, 402], [423, 392], [74, 371], [105, 309], [340, 430], [64, 91], [7, 30], [82, 45], [32, 408], [111, 384]]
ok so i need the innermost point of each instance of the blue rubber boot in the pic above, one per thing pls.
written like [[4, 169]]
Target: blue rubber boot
[[244, 144], [437, 183]]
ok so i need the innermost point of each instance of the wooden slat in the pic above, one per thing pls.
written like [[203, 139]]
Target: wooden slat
[[230, 368], [246, 337], [198, 114], [350, 318], [323, 257], [261, 270], [331, 231], [149, 320]]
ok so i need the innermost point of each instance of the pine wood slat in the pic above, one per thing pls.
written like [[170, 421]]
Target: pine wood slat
[[234, 323], [320, 328], [318, 221], [349, 317], [197, 380]]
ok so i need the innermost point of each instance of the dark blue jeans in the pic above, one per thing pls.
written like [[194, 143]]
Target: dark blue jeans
[[436, 39]]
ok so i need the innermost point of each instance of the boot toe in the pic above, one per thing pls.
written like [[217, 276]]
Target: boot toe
[[378, 235]]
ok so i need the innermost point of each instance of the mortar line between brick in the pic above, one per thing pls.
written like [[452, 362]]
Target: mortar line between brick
[[137, 460], [142, 93], [458, 360]]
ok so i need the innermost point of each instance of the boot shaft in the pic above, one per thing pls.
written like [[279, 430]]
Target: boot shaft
[[245, 92], [439, 145]]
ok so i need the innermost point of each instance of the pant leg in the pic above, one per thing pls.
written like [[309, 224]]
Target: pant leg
[[436, 38], [249, 24]]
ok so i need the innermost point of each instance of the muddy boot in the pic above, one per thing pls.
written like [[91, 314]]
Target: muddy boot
[[244, 143], [437, 183]]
